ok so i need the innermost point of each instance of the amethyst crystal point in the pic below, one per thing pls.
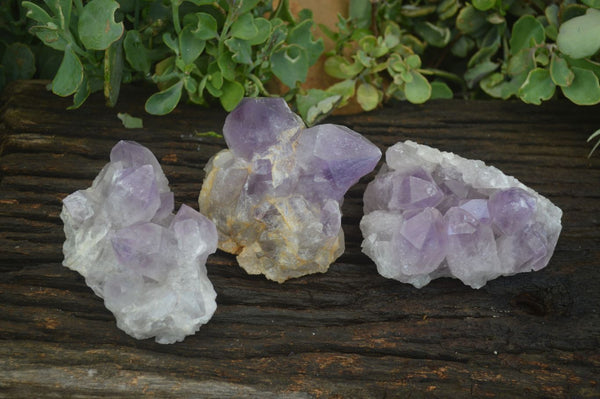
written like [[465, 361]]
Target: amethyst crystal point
[[275, 194], [147, 264], [492, 225], [266, 118]]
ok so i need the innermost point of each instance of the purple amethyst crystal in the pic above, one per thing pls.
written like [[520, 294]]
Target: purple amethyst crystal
[[492, 225], [275, 194], [147, 264]]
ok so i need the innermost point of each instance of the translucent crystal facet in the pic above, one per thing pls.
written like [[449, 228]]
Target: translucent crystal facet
[[275, 194], [147, 264], [492, 225]]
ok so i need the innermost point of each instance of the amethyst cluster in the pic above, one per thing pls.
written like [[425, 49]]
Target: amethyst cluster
[[275, 194], [146, 262], [431, 214]]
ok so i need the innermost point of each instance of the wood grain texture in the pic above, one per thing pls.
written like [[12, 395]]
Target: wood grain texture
[[347, 333]]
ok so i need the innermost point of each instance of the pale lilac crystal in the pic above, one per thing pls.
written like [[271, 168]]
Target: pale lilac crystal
[[511, 210], [266, 118], [275, 194], [147, 264], [492, 225]]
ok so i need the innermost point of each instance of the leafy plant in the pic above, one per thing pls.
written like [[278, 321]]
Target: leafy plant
[[408, 49], [200, 49], [21, 55]]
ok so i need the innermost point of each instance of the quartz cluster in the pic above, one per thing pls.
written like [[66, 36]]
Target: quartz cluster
[[431, 214], [275, 194], [147, 263]]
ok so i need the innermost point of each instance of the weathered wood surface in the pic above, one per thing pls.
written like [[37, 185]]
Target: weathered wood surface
[[346, 333]]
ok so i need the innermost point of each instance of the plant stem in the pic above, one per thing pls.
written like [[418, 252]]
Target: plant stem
[[259, 84], [175, 12]]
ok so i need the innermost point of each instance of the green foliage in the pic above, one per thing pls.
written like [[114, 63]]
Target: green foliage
[[218, 51], [419, 50], [198, 50]]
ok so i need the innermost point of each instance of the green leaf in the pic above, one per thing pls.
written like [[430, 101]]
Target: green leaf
[[484, 5], [241, 50], [264, 31], [130, 122], [585, 89], [570, 11], [559, 71], [191, 45], [479, 71], [244, 27], [496, 86], [207, 26], [447, 8], [135, 53], [367, 96], [165, 101], [201, 2], [521, 62], [215, 76], [413, 61], [360, 12], [462, 46], [18, 61], [470, 20], [113, 72], [432, 34], [345, 89], [538, 87], [36, 13], [49, 35], [483, 54], [190, 84], [81, 94], [592, 3], [418, 90], [233, 92], [226, 65], [338, 67], [580, 37], [69, 75], [440, 90], [526, 33], [170, 42], [247, 5], [316, 104], [302, 36], [290, 64], [97, 27], [551, 12], [417, 11]]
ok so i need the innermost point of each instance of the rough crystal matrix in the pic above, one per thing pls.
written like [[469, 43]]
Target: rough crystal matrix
[[432, 214], [147, 264], [275, 194]]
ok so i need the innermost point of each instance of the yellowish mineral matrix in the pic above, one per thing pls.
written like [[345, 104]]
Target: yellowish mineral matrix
[[280, 246]]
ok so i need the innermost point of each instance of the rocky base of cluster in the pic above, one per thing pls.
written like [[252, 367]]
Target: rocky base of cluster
[[147, 264], [275, 194], [431, 214]]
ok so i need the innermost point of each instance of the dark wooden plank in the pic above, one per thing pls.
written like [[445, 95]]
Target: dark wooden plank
[[346, 333]]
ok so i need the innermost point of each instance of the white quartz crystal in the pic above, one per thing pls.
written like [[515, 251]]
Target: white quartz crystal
[[147, 264]]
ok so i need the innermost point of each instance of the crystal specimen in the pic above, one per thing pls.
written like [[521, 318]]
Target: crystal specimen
[[275, 194], [147, 264], [431, 214]]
